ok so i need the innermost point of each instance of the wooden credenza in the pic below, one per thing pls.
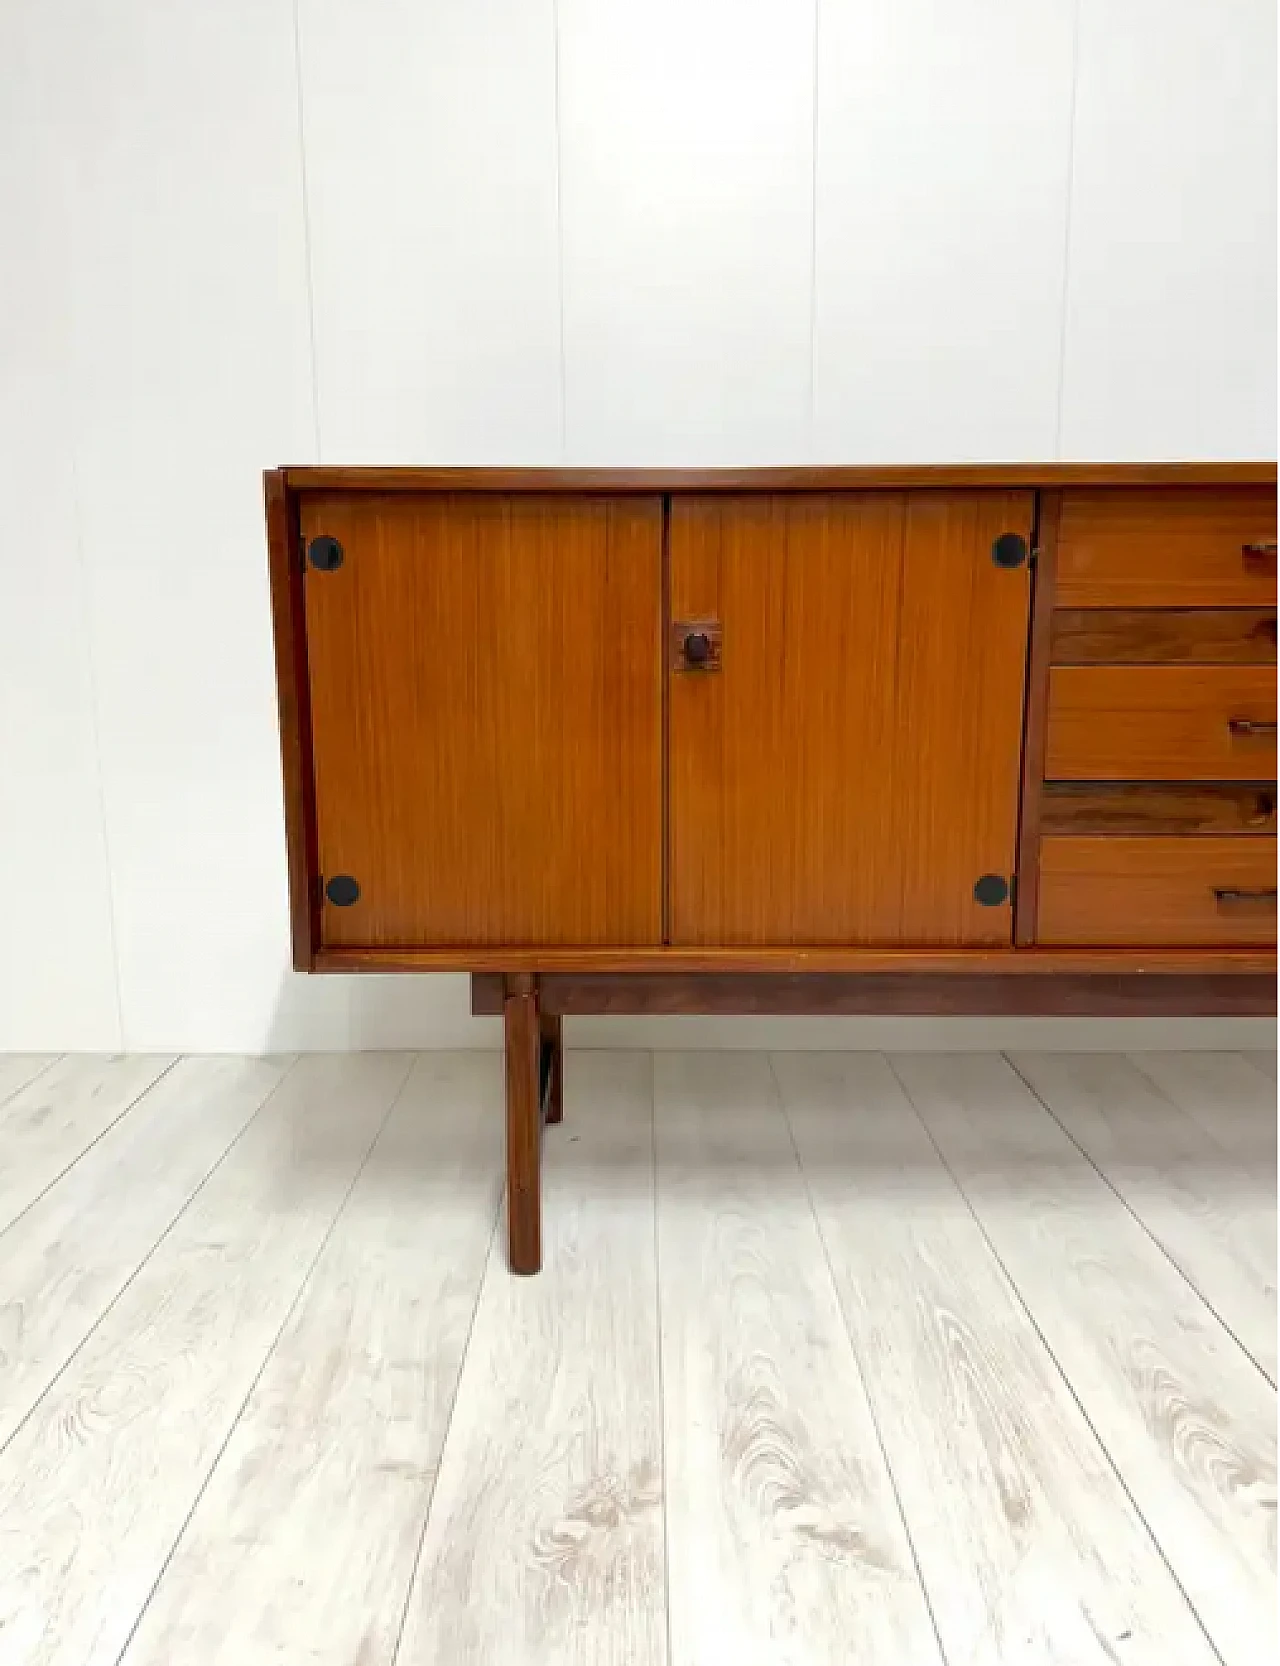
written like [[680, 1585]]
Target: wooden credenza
[[806, 740]]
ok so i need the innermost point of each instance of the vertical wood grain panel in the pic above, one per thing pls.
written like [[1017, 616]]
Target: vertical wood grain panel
[[961, 672], [431, 188], [872, 667], [686, 131], [943, 140], [1170, 347], [486, 705], [781, 762]]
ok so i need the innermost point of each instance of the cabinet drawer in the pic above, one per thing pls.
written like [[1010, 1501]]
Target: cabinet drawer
[[1113, 891], [1167, 547], [1161, 723], [1164, 636]]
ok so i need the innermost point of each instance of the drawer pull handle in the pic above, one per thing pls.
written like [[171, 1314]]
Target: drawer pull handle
[[1249, 726], [1226, 897], [1258, 558]]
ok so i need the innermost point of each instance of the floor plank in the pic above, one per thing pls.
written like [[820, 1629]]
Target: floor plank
[[544, 1541], [96, 1485], [785, 1538], [1214, 1216], [1263, 1061], [1234, 1105], [69, 1256], [46, 1126], [17, 1069], [1031, 1551], [314, 1514], [1185, 1415]]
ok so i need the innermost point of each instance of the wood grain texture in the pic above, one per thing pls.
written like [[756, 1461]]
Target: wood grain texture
[[1165, 546], [784, 1536], [814, 780], [1035, 716], [1182, 808], [522, 1047], [1096, 994], [66, 1260], [1031, 1552], [293, 699], [1186, 1417], [486, 702], [1214, 1217], [1031, 962], [895, 477], [544, 1542], [1156, 636], [95, 1486], [314, 1514], [1224, 1095], [1130, 888], [45, 1126], [1160, 723], [17, 1069]]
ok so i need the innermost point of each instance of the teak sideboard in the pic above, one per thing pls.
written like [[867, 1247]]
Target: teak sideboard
[[908, 740]]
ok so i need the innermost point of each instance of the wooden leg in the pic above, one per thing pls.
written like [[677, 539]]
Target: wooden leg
[[524, 1123], [553, 1065]]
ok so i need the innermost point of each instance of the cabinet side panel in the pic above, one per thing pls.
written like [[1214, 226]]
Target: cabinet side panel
[[293, 697]]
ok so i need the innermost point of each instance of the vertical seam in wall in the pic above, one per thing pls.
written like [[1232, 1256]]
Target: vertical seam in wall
[[555, 77], [1066, 228], [95, 722], [813, 242], [306, 231]]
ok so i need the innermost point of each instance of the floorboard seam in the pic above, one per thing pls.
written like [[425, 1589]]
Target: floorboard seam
[[853, 1349], [1120, 1198], [1058, 1367], [268, 1355], [128, 1283]]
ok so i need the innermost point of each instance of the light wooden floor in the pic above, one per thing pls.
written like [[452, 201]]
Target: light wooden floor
[[836, 1358]]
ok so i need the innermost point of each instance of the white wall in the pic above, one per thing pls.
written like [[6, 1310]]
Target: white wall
[[499, 231]]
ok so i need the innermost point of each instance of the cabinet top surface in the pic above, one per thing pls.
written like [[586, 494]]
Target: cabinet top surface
[[795, 479]]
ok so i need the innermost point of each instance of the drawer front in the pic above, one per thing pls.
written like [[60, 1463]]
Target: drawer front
[[1154, 892], [1187, 808], [1161, 723], [1164, 636], [1167, 547]]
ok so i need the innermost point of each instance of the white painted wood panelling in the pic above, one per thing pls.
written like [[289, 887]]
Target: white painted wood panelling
[[544, 1543], [1031, 1552], [192, 361], [46, 1127], [314, 1514], [1185, 1415], [784, 1537], [431, 185], [53, 858], [73, 1252], [943, 148], [97, 1484], [686, 158], [1170, 346]]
